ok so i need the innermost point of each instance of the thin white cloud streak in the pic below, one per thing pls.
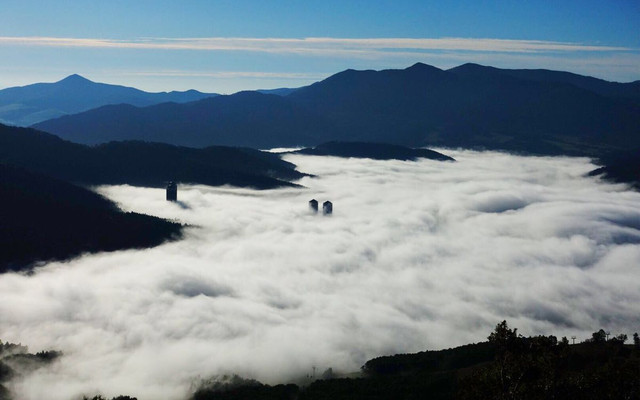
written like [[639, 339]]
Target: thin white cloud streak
[[417, 256], [232, 74], [317, 46]]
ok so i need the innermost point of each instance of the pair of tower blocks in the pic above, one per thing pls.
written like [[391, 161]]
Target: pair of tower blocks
[[327, 206]]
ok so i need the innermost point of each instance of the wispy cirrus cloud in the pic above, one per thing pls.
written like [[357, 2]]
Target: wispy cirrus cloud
[[231, 74], [318, 45]]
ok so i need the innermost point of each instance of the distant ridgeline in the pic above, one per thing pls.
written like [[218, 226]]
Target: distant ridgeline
[[46, 217], [376, 151], [27, 105]]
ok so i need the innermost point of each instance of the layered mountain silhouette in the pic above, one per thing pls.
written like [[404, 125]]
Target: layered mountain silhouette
[[141, 163], [250, 119], [531, 111], [376, 151], [27, 105]]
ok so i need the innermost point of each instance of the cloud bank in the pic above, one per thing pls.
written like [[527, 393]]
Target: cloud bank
[[417, 255]]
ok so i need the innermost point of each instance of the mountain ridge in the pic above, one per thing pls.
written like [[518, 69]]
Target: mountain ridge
[[30, 104], [142, 163], [375, 151]]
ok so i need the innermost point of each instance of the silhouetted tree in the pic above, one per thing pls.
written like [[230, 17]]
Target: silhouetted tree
[[599, 336], [621, 338]]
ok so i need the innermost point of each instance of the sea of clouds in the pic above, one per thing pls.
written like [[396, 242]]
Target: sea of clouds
[[417, 255]]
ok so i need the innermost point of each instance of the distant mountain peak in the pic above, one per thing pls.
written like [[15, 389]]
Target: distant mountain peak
[[471, 65], [422, 67], [75, 79], [472, 68]]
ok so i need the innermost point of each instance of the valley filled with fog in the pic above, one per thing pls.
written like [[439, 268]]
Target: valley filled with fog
[[417, 255]]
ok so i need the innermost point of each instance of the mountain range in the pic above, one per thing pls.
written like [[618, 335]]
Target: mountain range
[[531, 111], [27, 105]]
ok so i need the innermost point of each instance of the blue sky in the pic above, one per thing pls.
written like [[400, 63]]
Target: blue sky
[[226, 46]]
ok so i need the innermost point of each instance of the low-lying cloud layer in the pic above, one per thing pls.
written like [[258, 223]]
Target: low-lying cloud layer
[[417, 255]]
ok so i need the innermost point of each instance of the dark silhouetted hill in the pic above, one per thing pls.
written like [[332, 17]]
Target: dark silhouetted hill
[[248, 119], [27, 105], [376, 151], [470, 106], [48, 219], [620, 166], [142, 163]]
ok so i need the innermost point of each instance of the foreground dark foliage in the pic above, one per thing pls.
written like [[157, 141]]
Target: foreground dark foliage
[[540, 367], [237, 388], [508, 366]]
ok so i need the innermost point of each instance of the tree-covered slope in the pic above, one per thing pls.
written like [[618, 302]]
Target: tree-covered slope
[[48, 219], [142, 163]]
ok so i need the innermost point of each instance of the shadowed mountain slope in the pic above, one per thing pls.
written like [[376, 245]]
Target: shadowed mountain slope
[[629, 90], [47, 219], [140, 163], [248, 119], [27, 105], [471, 106], [620, 166]]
